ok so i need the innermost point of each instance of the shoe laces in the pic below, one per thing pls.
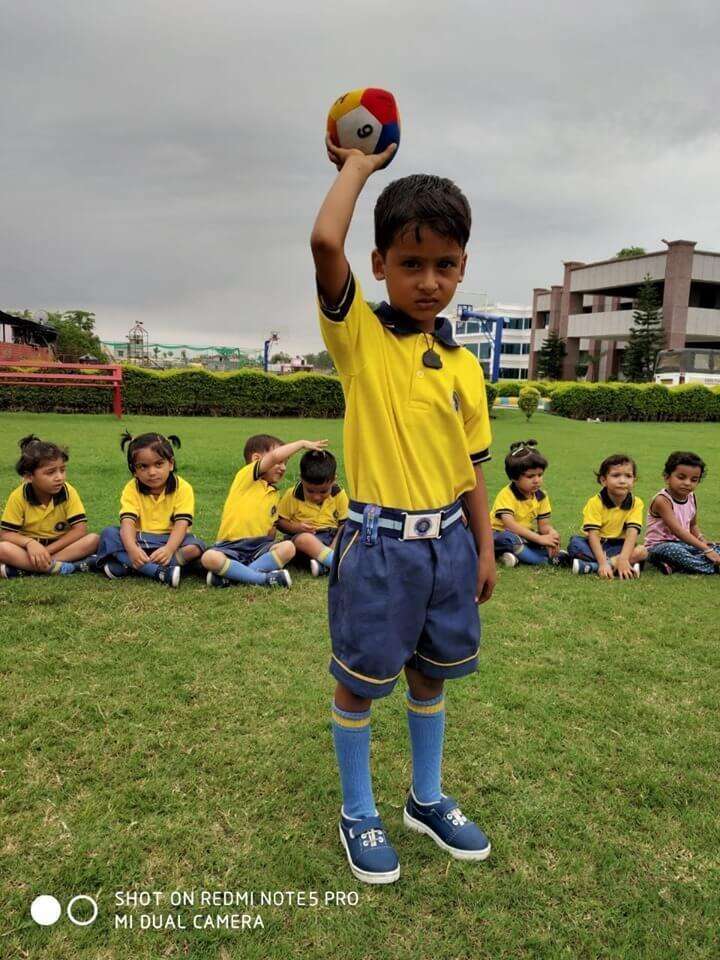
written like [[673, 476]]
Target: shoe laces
[[456, 817], [373, 837]]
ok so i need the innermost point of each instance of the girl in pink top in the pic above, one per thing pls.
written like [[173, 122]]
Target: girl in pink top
[[673, 539]]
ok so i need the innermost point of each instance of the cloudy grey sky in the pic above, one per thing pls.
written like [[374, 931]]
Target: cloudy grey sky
[[163, 161]]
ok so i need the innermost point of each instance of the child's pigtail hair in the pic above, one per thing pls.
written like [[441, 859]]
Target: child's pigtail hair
[[125, 439], [30, 438], [174, 440]]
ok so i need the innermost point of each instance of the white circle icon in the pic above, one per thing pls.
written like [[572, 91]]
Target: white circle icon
[[80, 897], [45, 910]]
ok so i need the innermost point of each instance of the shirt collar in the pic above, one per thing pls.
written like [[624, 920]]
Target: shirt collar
[[31, 497], [170, 486], [608, 502], [675, 499], [401, 324], [519, 495]]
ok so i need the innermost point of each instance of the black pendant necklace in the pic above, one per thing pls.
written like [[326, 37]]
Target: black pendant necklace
[[430, 358]]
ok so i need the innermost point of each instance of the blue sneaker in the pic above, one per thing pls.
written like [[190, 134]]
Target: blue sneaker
[[88, 565], [371, 857], [213, 580], [583, 567], [170, 576], [448, 827], [10, 573], [115, 571], [279, 578]]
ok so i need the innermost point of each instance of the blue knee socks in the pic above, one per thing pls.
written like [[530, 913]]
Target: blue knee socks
[[351, 733], [266, 563], [426, 720], [234, 570]]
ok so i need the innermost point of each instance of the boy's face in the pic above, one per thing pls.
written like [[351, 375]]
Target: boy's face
[[317, 492], [421, 274], [49, 477], [530, 481], [619, 480], [275, 474]]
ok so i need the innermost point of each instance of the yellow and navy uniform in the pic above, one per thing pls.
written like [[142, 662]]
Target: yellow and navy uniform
[[25, 514], [523, 509], [412, 434], [327, 515], [251, 506], [157, 513], [611, 521]]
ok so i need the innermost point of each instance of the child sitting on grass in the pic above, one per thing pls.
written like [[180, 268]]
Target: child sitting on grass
[[44, 527], [156, 512], [612, 521], [245, 551], [673, 540], [520, 515], [312, 511]]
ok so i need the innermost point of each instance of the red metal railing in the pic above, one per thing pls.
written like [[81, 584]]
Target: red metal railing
[[40, 373]]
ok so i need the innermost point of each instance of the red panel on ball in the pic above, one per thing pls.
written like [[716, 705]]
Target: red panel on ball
[[332, 131], [381, 104]]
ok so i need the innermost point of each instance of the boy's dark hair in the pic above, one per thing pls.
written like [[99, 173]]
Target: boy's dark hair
[[523, 456], [34, 452], [614, 460], [260, 443], [318, 466], [421, 200], [683, 458], [162, 446]]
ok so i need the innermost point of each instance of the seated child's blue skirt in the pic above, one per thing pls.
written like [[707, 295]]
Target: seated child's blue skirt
[[111, 546]]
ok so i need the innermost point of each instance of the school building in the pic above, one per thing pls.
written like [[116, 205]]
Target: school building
[[515, 350], [592, 308]]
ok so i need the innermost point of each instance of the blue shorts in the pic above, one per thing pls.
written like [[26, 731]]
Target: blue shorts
[[246, 549], [579, 548], [402, 603], [111, 545], [325, 536]]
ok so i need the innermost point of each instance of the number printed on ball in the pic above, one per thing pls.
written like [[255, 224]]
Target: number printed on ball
[[366, 119]]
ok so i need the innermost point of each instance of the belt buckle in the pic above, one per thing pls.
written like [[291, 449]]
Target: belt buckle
[[422, 526]]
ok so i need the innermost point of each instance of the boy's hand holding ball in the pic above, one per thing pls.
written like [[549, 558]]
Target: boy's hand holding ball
[[363, 123]]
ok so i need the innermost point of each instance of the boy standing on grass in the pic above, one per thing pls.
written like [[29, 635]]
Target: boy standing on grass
[[406, 578]]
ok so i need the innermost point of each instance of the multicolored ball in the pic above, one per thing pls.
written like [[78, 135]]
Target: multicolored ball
[[365, 119]]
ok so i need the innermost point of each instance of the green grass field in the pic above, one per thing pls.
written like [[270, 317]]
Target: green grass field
[[165, 740]]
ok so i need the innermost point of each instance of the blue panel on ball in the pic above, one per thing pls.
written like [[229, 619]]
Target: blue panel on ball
[[390, 134]]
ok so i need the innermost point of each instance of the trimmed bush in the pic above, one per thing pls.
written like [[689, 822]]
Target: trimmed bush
[[188, 393], [636, 401], [528, 401]]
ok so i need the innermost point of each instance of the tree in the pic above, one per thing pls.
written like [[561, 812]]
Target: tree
[[320, 361], [528, 401], [550, 357], [75, 335], [280, 358], [647, 336], [630, 252]]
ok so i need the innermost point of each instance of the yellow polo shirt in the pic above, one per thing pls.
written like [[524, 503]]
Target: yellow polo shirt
[[327, 515], [601, 514], [412, 434], [251, 506], [25, 514], [157, 514], [525, 510]]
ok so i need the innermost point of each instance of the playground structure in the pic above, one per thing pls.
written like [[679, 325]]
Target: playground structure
[[493, 336], [138, 342], [42, 373]]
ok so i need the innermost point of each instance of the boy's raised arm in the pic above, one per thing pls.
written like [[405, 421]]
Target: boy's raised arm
[[327, 241]]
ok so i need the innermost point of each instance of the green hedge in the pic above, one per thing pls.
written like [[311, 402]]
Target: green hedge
[[247, 393], [636, 401], [512, 388]]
